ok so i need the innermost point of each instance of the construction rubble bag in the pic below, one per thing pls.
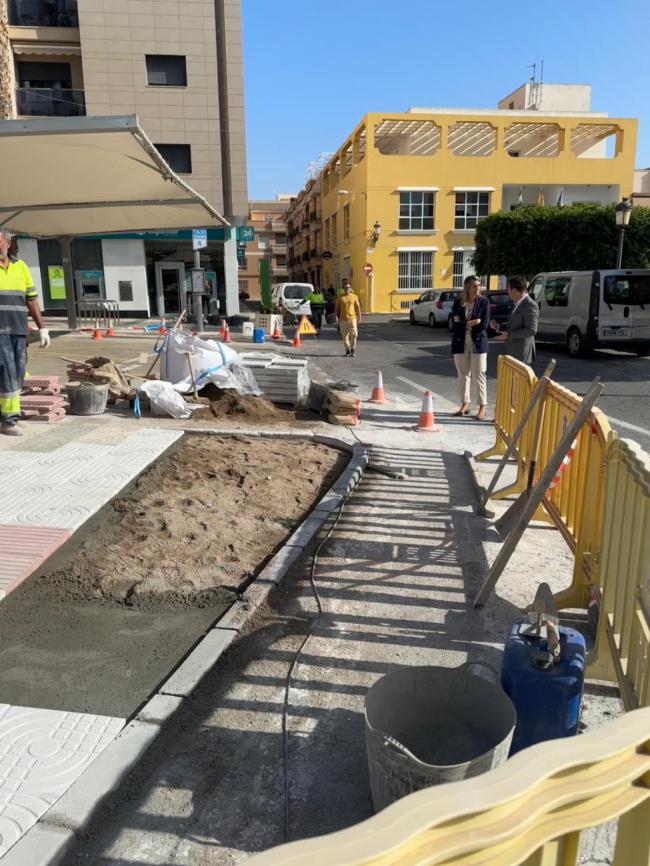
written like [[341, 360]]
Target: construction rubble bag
[[212, 361]]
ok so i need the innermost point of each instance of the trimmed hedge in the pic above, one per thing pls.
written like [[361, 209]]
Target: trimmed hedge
[[576, 238]]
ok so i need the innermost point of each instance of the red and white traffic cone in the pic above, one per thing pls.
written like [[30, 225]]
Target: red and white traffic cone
[[426, 422], [563, 465], [378, 395], [224, 325], [163, 326], [276, 335], [226, 337], [296, 342]]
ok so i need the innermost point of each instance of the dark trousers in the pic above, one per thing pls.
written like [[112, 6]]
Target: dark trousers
[[13, 363], [317, 311]]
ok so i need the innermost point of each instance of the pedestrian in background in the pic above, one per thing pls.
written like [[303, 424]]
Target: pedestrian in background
[[348, 313], [18, 297], [522, 324], [469, 345], [317, 305]]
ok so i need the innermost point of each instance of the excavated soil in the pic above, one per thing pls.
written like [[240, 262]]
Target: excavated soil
[[199, 522], [226, 403]]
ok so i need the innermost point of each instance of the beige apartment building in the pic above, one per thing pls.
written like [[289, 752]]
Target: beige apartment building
[[304, 235], [178, 66], [267, 219]]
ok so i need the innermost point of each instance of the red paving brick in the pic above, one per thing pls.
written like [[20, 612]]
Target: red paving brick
[[24, 549]]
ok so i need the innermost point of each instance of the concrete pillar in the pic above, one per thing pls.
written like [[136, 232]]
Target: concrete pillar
[[231, 275]]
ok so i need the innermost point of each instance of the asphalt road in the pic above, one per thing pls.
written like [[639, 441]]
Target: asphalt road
[[416, 358]]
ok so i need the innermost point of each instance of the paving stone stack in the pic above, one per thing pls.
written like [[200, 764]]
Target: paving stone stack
[[281, 380], [42, 400]]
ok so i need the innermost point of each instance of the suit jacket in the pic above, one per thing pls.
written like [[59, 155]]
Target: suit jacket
[[480, 310], [522, 328]]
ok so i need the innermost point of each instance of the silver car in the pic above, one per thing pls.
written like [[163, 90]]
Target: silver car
[[433, 307]]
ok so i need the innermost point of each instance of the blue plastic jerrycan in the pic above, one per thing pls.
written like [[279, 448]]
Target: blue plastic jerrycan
[[547, 696]]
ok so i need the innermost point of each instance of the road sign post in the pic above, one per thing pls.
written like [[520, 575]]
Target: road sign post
[[367, 269], [199, 239]]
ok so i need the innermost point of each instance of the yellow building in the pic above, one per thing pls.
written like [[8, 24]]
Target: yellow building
[[404, 191]]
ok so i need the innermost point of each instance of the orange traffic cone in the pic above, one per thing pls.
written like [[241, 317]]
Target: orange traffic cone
[[163, 326], [224, 325], [378, 395], [296, 342], [227, 338], [110, 332], [426, 423], [276, 331], [97, 334]]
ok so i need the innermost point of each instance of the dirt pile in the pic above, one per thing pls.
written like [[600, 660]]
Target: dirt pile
[[198, 522], [226, 403]]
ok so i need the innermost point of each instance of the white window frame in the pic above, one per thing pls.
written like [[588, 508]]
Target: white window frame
[[415, 270], [411, 216], [475, 205]]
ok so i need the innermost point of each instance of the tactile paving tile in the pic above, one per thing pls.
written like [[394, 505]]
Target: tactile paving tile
[[24, 548], [63, 488], [42, 752]]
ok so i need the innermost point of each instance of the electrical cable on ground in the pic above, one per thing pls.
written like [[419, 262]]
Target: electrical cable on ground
[[294, 664]]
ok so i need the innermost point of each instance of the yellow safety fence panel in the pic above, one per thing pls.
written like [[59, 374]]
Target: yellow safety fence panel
[[528, 812], [515, 385], [623, 645], [575, 505]]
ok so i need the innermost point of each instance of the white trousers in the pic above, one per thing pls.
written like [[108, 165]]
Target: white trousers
[[472, 367]]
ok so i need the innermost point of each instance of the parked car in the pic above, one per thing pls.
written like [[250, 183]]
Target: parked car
[[433, 307], [500, 306], [291, 297], [586, 310], [244, 295]]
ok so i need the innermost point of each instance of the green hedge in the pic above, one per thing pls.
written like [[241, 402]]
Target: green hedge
[[575, 238]]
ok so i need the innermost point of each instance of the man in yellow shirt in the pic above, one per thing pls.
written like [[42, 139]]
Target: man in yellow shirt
[[18, 297], [348, 312]]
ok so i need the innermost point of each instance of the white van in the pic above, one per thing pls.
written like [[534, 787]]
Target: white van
[[606, 309], [291, 296]]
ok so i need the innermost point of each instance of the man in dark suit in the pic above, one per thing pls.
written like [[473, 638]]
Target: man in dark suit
[[522, 325]]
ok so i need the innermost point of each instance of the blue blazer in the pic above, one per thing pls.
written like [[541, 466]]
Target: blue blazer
[[481, 310]]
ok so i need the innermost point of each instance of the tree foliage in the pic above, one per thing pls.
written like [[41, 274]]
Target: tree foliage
[[576, 238]]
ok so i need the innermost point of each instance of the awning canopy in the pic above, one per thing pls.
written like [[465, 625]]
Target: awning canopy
[[86, 175]]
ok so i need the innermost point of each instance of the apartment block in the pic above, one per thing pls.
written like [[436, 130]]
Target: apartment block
[[178, 66], [404, 191], [267, 219], [305, 236]]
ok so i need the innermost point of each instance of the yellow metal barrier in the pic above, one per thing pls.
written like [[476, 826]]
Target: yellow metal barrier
[[575, 505], [528, 812], [624, 623], [515, 385]]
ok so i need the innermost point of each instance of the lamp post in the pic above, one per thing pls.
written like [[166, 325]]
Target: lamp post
[[622, 211]]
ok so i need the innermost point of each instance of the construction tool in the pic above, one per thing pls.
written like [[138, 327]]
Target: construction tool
[[192, 376]]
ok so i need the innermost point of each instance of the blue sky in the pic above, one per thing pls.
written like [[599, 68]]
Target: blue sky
[[313, 69]]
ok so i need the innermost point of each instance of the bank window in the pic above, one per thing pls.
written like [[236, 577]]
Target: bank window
[[177, 156], [415, 271], [556, 292], [470, 208], [166, 70], [346, 222], [416, 211]]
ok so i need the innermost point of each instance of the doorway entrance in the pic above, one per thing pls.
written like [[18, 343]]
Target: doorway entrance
[[170, 287]]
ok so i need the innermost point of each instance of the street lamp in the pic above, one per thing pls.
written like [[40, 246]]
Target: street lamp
[[376, 231], [622, 211]]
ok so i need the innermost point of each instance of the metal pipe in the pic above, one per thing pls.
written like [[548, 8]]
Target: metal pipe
[[68, 281]]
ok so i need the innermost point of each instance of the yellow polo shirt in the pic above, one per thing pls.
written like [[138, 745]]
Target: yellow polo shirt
[[16, 288], [348, 307]]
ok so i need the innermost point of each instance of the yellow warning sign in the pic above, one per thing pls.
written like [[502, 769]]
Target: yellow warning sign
[[306, 327]]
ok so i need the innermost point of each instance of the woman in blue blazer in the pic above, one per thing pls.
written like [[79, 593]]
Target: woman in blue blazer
[[469, 345]]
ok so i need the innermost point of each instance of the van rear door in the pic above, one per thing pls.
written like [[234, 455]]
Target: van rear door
[[625, 306]]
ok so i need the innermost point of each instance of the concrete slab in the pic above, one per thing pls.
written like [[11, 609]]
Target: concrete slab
[[42, 752]]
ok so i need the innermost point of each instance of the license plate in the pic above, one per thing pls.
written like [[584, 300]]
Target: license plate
[[616, 332]]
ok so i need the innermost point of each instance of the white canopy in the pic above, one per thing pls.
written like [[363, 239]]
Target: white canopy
[[84, 175]]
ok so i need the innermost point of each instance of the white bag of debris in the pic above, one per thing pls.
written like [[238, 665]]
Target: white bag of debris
[[210, 360], [165, 400]]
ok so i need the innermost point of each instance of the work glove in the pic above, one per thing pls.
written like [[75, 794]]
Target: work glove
[[45, 337]]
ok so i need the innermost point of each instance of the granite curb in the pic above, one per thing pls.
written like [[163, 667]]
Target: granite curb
[[48, 841]]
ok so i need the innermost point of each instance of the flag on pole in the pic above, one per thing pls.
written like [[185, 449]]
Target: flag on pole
[[520, 198], [540, 197], [560, 198]]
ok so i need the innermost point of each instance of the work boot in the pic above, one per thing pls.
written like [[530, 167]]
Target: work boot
[[347, 353], [352, 353], [10, 429]]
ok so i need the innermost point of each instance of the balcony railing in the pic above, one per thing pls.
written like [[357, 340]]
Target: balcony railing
[[43, 13], [50, 102]]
